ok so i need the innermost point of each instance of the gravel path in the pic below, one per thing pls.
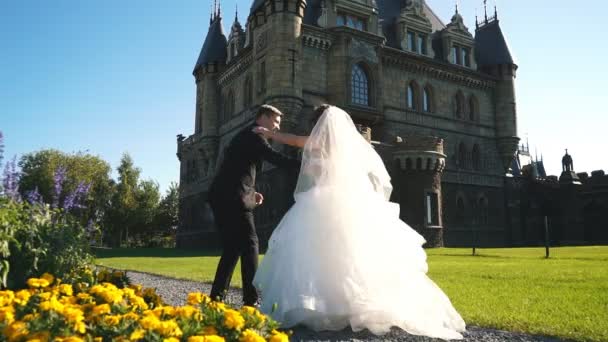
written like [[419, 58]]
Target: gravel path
[[175, 291]]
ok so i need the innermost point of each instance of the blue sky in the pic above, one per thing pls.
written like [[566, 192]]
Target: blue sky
[[115, 76]]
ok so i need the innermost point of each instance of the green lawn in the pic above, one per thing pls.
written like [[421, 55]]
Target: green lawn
[[513, 289]]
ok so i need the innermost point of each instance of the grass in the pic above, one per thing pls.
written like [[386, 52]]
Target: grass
[[513, 289]]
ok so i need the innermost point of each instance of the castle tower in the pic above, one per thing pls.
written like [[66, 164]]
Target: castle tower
[[276, 32], [236, 40], [494, 57], [211, 61], [418, 166]]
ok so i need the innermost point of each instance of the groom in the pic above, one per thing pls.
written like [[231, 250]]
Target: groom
[[232, 198]]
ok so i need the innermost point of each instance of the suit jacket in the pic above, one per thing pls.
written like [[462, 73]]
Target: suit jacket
[[234, 183]]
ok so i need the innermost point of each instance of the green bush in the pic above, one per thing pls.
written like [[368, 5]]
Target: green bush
[[35, 238]]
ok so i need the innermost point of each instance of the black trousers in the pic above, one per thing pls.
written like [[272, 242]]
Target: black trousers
[[239, 240]]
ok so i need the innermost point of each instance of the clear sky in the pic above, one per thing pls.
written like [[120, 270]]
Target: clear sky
[[109, 76]]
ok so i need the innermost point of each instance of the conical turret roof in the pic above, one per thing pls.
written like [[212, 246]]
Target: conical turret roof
[[214, 48]]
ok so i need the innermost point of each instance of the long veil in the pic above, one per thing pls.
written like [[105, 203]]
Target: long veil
[[337, 156]]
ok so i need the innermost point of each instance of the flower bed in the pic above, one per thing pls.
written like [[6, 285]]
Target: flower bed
[[51, 311]]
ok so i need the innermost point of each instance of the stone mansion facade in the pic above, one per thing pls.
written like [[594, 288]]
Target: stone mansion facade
[[437, 100]]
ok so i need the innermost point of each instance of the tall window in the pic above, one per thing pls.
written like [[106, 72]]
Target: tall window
[[411, 41], [263, 76], [411, 96], [432, 209], [426, 99], [421, 44], [248, 92], [459, 105], [476, 157], [455, 55], [466, 57], [473, 108], [359, 86], [462, 156]]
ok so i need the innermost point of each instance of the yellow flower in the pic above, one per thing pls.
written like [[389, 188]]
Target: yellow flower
[[277, 336], [209, 338], [39, 337], [98, 339], [15, 331], [171, 339], [51, 304], [73, 315], [6, 297], [188, 312], [218, 306], [137, 335], [111, 320], [149, 322], [72, 339], [214, 338], [169, 328], [48, 277], [7, 315], [66, 289], [233, 319], [37, 283], [101, 309], [251, 336], [195, 298]]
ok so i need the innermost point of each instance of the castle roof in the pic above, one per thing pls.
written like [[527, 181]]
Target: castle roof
[[214, 48], [388, 11], [491, 47]]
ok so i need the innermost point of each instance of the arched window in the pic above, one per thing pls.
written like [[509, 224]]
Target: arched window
[[476, 157], [359, 86], [462, 156], [427, 99], [473, 108], [459, 105], [248, 92], [411, 96]]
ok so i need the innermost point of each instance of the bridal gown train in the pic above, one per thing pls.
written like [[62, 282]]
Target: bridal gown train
[[341, 256]]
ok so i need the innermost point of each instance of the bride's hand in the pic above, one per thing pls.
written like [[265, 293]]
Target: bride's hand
[[265, 132]]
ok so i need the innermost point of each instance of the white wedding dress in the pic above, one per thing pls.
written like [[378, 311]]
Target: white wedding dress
[[341, 256]]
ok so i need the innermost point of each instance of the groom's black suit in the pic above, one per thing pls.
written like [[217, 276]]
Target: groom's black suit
[[232, 200]]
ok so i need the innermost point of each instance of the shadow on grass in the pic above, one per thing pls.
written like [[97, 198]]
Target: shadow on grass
[[152, 252]]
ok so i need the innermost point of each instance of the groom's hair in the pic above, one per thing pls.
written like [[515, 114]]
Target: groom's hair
[[317, 112], [267, 110]]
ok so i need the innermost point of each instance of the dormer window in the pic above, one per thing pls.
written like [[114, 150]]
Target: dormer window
[[351, 21], [416, 42], [461, 55]]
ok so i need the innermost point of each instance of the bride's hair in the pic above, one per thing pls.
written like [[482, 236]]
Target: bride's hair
[[317, 112]]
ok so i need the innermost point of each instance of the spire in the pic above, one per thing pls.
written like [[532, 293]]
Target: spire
[[485, 10], [219, 9], [236, 12], [456, 6]]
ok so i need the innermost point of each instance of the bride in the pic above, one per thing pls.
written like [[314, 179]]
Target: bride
[[341, 256]]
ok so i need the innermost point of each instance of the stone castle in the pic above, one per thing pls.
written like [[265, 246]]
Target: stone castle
[[436, 99]]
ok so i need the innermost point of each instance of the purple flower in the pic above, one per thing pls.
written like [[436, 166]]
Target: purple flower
[[1, 147], [34, 197], [76, 198], [59, 179], [10, 181]]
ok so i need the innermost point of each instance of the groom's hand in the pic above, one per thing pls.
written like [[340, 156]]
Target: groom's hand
[[259, 198]]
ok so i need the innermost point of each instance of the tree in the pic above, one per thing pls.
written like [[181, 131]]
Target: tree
[[147, 197], [39, 170], [1, 147], [121, 214], [167, 215]]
